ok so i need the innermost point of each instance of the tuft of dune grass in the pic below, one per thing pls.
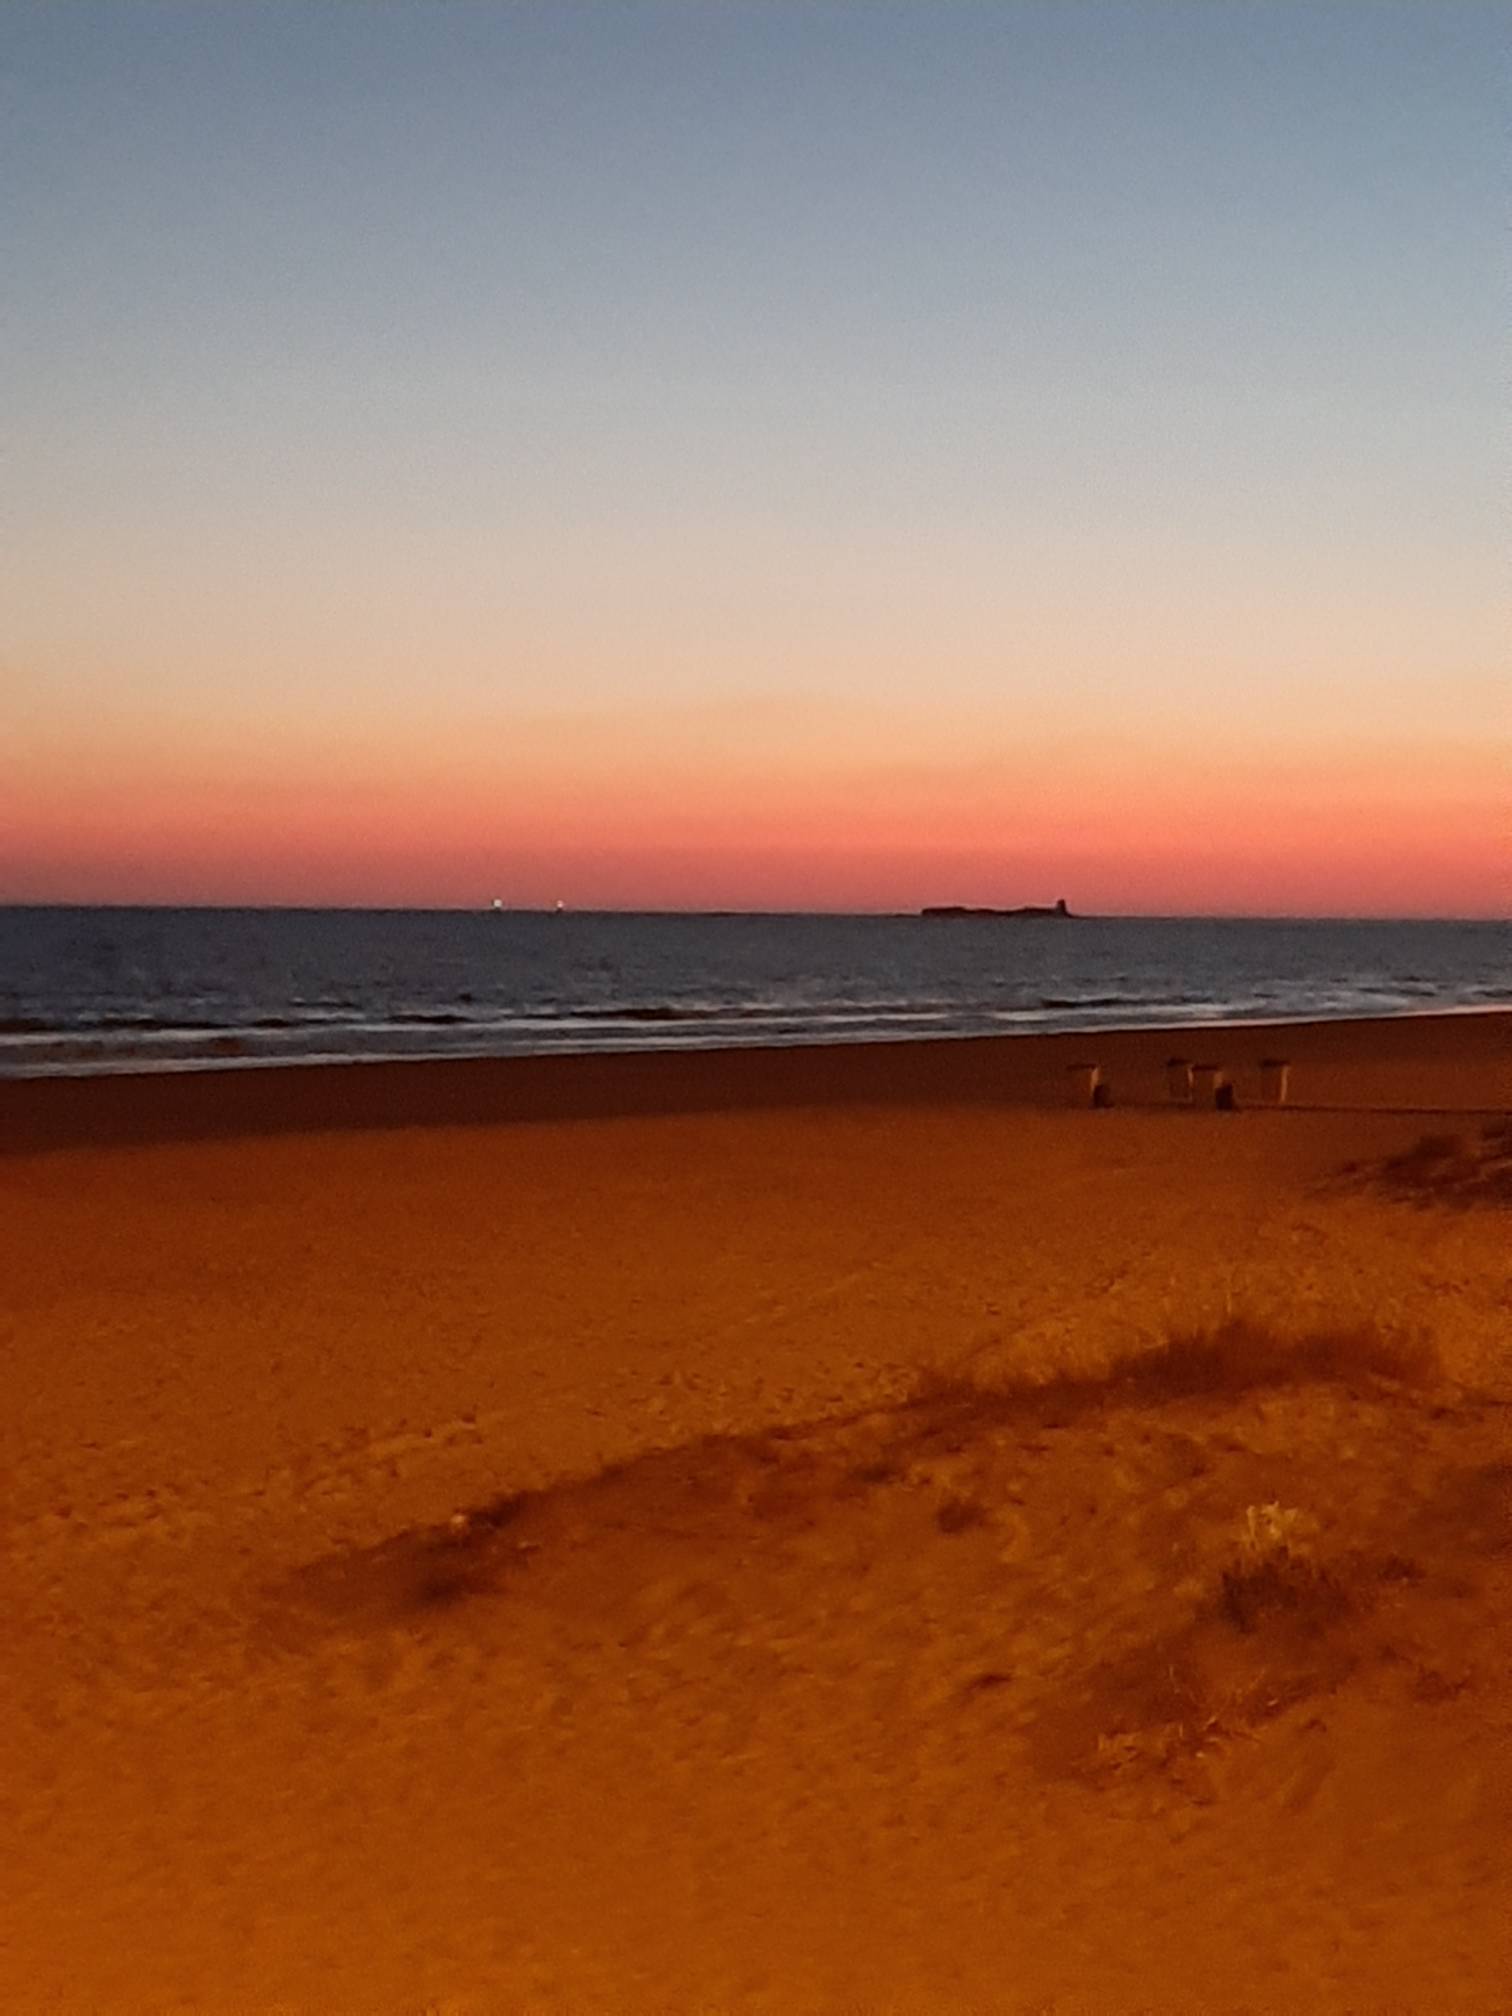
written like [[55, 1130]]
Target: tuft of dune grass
[[783, 1474], [1239, 1356], [1453, 1171], [1228, 1361]]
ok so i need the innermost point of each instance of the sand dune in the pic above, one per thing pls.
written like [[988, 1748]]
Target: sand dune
[[919, 1551]]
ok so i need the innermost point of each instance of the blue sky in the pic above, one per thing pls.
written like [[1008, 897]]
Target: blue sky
[[447, 364]]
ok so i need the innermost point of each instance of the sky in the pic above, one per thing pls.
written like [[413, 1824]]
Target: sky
[[765, 455]]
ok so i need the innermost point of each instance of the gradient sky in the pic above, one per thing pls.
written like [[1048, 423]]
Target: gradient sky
[[766, 455]]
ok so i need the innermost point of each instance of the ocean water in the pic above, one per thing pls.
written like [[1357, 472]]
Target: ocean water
[[109, 990]]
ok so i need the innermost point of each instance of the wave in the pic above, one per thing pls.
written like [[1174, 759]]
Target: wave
[[656, 1013], [676, 1011], [593, 1024], [312, 990], [1121, 1000]]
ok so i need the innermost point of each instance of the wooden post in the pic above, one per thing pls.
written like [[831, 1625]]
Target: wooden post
[[1211, 1088], [1275, 1080], [1087, 1087], [1179, 1080]]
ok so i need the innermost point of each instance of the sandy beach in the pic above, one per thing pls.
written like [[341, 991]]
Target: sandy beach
[[790, 1530]]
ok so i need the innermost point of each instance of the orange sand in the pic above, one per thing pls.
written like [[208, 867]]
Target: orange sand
[[935, 1702]]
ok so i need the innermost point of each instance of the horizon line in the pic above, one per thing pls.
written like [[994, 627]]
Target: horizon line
[[985, 914]]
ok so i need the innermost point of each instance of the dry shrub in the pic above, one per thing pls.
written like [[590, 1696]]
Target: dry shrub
[[1457, 1171], [1277, 1628], [1238, 1356], [790, 1477], [1283, 1586], [1233, 1359]]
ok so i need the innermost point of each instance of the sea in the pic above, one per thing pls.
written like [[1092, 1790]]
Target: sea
[[102, 990]]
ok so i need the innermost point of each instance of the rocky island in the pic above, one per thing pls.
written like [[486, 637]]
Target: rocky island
[[1057, 909]]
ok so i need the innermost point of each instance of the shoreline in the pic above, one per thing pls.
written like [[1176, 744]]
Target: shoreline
[[1406, 1063], [147, 1066]]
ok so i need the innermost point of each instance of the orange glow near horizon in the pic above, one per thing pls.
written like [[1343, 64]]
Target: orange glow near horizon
[[758, 808]]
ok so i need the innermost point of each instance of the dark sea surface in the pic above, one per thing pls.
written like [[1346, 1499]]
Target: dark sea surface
[[113, 989]]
